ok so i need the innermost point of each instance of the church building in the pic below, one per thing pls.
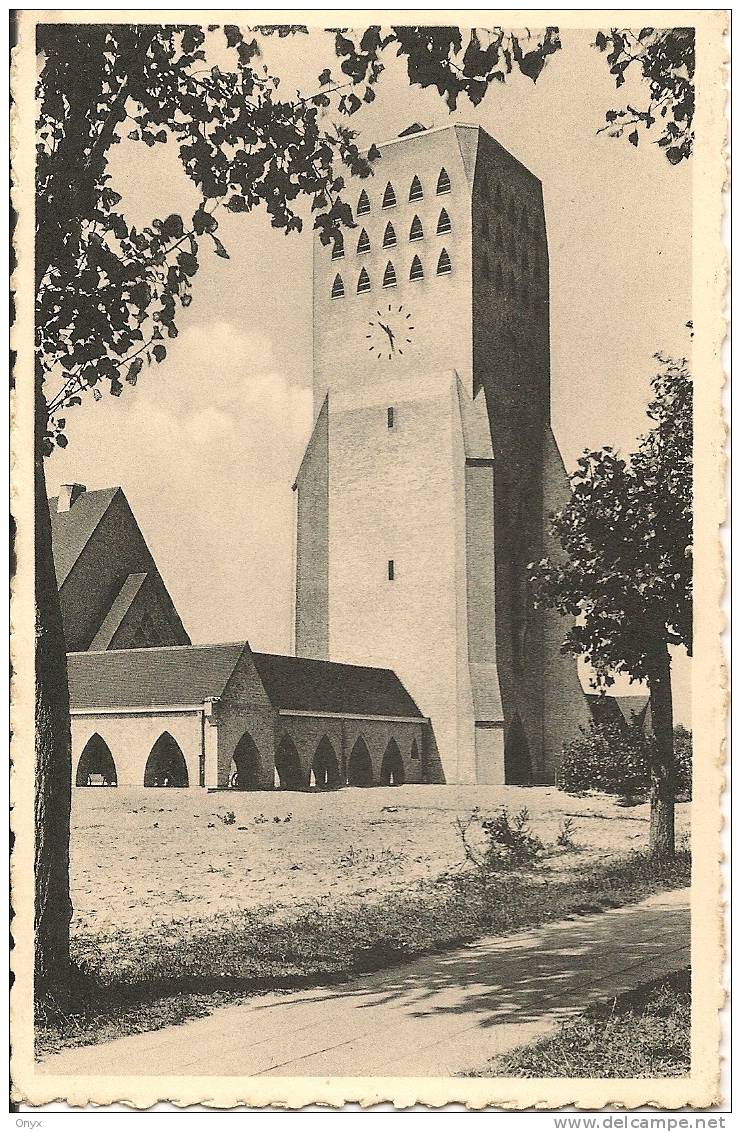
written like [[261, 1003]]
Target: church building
[[426, 486]]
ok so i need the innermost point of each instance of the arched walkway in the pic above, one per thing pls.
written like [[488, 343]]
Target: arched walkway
[[288, 765], [325, 768], [392, 767], [246, 765], [517, 769], [96, 766], [166, 764], [359, 766]]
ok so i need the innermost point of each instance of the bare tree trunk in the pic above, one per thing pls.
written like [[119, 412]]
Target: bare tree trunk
[[663, 771], [53, 778]]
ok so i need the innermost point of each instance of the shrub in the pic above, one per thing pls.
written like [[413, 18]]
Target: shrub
[[508, 841], [565, 838], [606, 756]]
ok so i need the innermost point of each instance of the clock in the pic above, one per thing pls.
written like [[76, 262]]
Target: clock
[[389, 332]]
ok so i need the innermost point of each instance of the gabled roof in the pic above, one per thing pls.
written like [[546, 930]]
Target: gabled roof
[[295, 683], [148, 677], [71, 530]]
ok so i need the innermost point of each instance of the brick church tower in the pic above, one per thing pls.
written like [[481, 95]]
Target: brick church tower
[[428, 479]]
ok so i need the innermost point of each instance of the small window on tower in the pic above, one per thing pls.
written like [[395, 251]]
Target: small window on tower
[[363, 242], [499, 278], [389, 236], [416, 232], [389, 197], [389, 275], [338, 249], [525, 221], [416, 271], [363, 204], [415, 192], [338, 287], [444, 266], [391, 569], [443, 224], [443, 183], [390, 416], [498, 202], [363, 282], [485, 266], [498, 241], [485, 226]]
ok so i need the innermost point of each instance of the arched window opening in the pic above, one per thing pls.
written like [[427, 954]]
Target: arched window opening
[[485, 189], [485, 226], [288, 765], [499, 278], [498, 202], [246, 765], [363, 242], [389, 197], [359, 765], [96, 766], [511, 285], [338, 248], [444, 266], [512, 211], [363, 282], [338, 288], [416, 232], [517, 768], [392, 766], [414, 753], [325, 768], [485, 266], [443, 183], [525, 221], [416, 271], [389, 275], [415, 190], [443, 224], [389, 236], [498, 240], [166, 764], [363, 204]]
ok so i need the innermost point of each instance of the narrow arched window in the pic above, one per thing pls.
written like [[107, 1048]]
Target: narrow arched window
[[511, 212], [363, 204], [498, 241], [415, 190], [416, 271], [389, 197], [416, 232], [444, 266], [443, 224], [338, 249], [511, 285], [389, 275], [389, 236], [363, 242], [525, 222], [443, 183], [338, 288], [485, 266], [485, 189], [499, 278], [485, 227], [363, 282], [498, 202]]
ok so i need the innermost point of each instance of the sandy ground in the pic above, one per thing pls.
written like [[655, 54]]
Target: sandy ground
[[145, 857]]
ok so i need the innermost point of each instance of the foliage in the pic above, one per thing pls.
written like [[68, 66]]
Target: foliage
[[626, 534], [608, 757], [665, 59], [565, 836], [683, 759], [509, 842]]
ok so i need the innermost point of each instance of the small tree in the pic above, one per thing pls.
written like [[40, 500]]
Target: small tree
[[626, 572]]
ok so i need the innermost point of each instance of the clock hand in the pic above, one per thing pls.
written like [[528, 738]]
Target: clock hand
[[389, 332]]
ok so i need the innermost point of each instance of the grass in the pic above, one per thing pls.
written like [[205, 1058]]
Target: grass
[[129, 983], [642, 1033]]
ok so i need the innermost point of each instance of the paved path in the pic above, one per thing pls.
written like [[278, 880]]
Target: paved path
[[436, 1016]]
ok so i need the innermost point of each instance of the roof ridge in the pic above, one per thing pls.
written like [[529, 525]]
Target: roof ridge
[[319, 660], [163, 648]]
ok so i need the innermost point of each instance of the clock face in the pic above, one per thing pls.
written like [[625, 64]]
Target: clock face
[[390, 332]]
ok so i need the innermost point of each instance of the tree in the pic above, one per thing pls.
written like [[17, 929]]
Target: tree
[[626, 571], [108, 294]]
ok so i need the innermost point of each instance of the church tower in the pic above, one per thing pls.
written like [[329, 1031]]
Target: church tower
[[427, 482]]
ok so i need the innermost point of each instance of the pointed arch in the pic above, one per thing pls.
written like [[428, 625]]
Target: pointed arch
[[389, 236], [414, 751], [443, 223], [363, 242], [338, 247], [389, 275], [415, 189], [444, 266], [416, 231], [364, 283], [416, 270], [363, 204], [517, 765], [288, 765], [338, 288], [246, 765], [389, 197], [166, 765], [359, 765], [392, 766], [324, 766], [95, 766], [443, 182]]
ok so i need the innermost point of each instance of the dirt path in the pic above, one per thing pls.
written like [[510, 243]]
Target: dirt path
[[437, 1016]]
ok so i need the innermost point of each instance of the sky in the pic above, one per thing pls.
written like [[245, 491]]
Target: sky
[[206, 446]]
